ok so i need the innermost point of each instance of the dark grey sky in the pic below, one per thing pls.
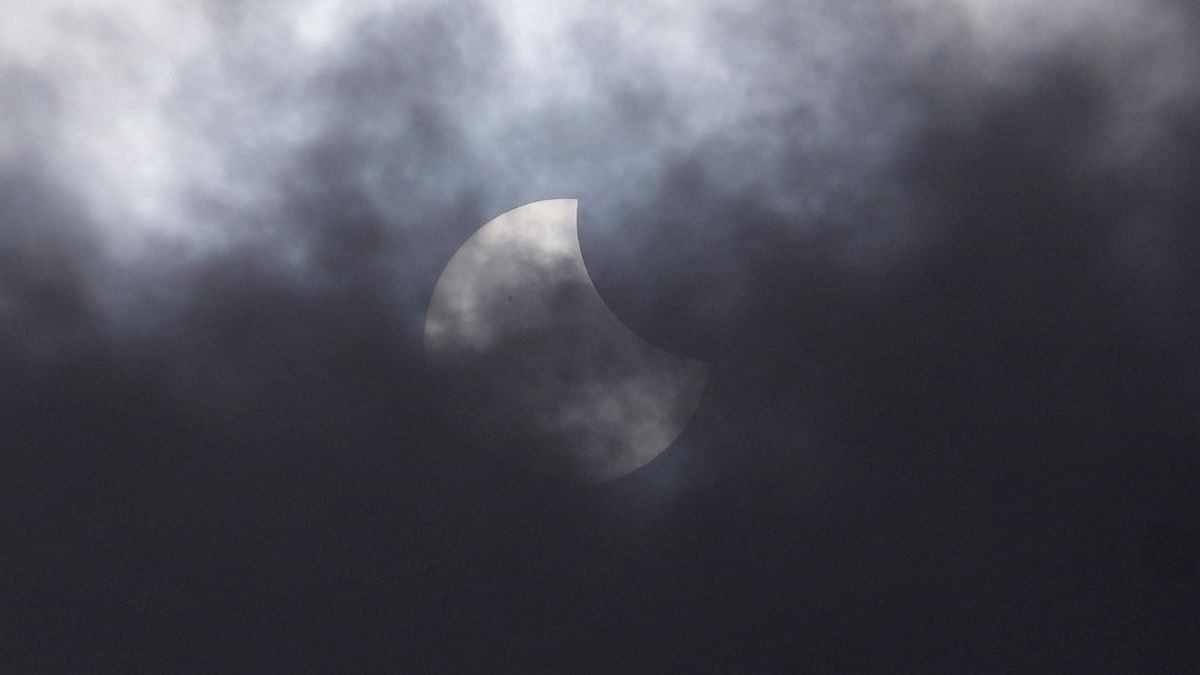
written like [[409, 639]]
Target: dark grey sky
[[939, 255]]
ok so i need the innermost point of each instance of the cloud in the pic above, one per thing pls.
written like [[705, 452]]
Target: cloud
[[937, 253]]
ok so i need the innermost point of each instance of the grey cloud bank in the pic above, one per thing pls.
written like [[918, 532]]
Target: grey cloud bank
[[938, 252]]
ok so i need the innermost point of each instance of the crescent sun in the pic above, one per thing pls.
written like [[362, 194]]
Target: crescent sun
[[516, 314]]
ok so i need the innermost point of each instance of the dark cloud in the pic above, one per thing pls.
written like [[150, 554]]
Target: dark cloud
[[945, 287]]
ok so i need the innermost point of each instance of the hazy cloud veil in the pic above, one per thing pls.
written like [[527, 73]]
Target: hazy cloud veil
[[939, 254]]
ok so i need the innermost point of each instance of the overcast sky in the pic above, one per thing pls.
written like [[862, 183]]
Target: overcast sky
[[938, 254]]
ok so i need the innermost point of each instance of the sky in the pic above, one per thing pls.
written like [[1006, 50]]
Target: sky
[[936, 254]]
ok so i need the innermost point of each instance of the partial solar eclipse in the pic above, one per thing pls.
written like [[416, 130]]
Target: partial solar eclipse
[[515, 316]]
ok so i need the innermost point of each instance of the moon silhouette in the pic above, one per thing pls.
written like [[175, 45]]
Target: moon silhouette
[[515, 316]]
